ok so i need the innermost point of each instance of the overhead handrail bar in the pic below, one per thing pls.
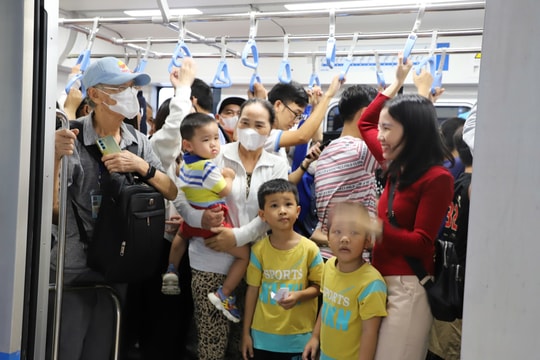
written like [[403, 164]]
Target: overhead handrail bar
[[84, 58], [349, 60], [284, 73], [181, 49], [378, 10], [314, 78], [307, 54], [331, 42], [251, 48], [310, 37], [141, 64], [411, 40], [380, 75], [222, 79]]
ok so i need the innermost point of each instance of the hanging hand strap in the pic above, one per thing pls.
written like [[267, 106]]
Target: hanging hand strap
[[348, 62], [284, 73], [331, 42], [222, 79], [411, 40], [141, 64], [380, 75], [84, 58], [181, 49], [314, 79]]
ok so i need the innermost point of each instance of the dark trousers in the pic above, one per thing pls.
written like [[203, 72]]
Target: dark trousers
[[160, 324]]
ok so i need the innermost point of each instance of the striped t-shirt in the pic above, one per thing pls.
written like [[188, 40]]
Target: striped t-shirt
[[345, 171]]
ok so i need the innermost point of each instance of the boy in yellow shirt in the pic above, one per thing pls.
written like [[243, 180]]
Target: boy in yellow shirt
[[354, 292], [283, 278]]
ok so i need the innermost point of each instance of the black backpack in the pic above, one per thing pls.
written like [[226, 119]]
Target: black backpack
[[128, 232]]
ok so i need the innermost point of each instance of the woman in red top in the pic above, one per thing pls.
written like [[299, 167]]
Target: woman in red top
[[402, 133]]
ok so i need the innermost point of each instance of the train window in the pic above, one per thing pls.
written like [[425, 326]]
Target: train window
[[334, 122], [448, 111]]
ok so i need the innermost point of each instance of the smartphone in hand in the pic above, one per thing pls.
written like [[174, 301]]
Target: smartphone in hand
[[108, 145]]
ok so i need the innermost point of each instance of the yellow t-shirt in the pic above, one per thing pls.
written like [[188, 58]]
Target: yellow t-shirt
[[348, 299], [274, 328]]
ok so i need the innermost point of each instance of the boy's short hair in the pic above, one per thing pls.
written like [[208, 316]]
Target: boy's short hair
[[192, 122], [462, 148], [276, 186], [344, 205]]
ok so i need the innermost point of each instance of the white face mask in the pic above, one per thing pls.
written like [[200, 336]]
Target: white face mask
[[127, 103], [250, 139], [229, 123]]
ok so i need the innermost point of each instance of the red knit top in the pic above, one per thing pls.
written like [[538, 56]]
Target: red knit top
[[419, 208]]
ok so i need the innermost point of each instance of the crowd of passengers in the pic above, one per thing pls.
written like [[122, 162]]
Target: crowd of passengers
[[275, 247]]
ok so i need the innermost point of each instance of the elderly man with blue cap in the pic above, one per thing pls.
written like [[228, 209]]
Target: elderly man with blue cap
[[87, 316]]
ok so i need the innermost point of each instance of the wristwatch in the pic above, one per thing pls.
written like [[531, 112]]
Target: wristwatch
[[149, 174]]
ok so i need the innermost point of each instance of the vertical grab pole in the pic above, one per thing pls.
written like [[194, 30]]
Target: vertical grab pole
[[61, 246]]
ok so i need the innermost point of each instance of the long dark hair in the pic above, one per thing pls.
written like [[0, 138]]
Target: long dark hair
[[422, 143]]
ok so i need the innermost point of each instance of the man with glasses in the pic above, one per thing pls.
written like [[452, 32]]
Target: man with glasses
[[87, 316], [290, 101]]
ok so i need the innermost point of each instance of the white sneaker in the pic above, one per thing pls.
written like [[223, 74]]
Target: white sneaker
[[169, 286]]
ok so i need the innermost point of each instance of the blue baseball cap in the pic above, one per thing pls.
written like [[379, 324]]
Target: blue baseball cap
[[111, 71]]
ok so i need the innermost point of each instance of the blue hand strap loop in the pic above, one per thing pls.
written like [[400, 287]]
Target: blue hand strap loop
[[314, 80], [255, 78], [348, 62], [250, 48], [380, 75], [181, 49], [222, 79], [141, 65], [284, 73], [84, 57]]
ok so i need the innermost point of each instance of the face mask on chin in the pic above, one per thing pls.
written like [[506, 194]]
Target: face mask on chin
[[250, 139], [127, 103], [229, 123]]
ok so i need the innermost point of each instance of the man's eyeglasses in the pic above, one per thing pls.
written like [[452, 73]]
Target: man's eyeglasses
[[116, 89], [297, 116]]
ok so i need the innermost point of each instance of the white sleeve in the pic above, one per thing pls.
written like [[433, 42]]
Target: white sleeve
[[250, 232], [191, 215], [469, 129], [167, 142]]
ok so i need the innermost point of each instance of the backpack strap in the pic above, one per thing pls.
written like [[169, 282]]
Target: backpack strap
[[414, 263]]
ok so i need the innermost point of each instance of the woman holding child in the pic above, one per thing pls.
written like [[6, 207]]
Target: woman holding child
[[252, 166]]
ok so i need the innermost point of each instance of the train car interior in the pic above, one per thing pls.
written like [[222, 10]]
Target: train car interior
[[482, 52]]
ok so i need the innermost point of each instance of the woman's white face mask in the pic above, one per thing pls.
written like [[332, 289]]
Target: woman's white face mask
[[250, 139], [127, 103]]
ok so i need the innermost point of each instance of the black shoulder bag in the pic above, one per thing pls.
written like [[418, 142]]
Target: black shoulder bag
[[128, 232]]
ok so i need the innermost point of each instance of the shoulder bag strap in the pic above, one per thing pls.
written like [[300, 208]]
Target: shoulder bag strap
[[414, 263]]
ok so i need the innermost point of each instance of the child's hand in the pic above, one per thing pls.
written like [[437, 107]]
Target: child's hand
[[247, 347], [228, 173], [290, 301], [311, 349]]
